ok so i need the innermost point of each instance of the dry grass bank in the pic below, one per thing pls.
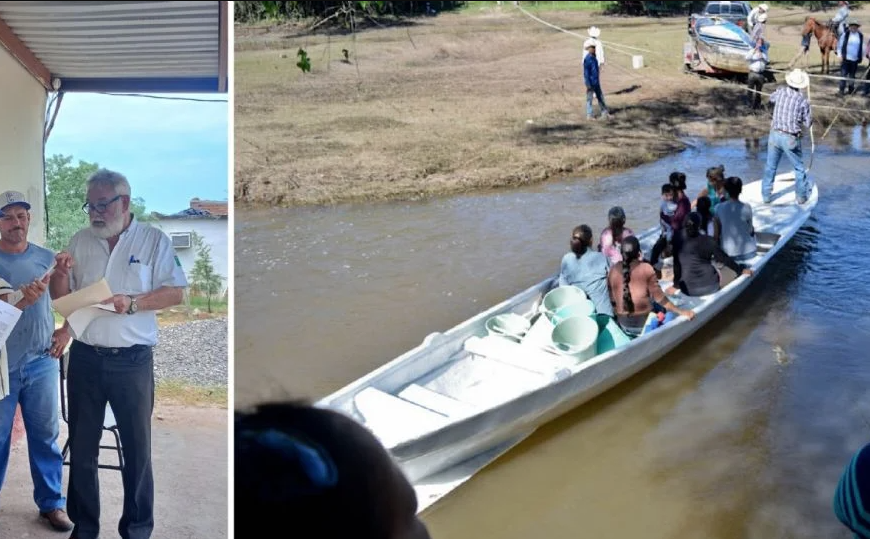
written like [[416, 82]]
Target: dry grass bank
[[467, 101]]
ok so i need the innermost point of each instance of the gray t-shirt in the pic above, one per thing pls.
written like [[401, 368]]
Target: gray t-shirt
[[737, 234], [589, 273]]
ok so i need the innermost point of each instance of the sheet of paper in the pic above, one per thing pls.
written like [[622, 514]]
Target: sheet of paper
[[80, 319], [85, 297], [9, 316]]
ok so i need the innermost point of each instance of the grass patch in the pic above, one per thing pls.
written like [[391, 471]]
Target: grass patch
[[180, 392], [541, 6]]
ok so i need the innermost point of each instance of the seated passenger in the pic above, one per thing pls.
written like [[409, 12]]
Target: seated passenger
[[708, 227], [694, 255], [611, 237], [684, 206], [634, 287], [734, 222], [713, 190], [586, 269], [322, 473]]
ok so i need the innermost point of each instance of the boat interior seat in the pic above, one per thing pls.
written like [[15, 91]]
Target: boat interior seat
[[437, 402], [523, 356], [393, 419]]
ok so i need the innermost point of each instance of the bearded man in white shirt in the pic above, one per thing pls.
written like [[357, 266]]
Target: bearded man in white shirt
[[112, 361]]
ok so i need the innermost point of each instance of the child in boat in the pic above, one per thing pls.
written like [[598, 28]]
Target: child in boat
[[666, 211], [684, 206], [633, 289], [611, 237], [587, 269], [320, 471]]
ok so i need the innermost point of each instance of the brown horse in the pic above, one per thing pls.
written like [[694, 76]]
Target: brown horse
[[826, 38]]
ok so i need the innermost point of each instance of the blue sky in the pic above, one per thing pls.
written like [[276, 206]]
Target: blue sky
[[170, 150]]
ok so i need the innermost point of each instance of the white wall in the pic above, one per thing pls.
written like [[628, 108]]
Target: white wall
[[22, 116], [215, 234]]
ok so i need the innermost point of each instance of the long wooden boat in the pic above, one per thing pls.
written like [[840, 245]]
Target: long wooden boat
[[450, 406]]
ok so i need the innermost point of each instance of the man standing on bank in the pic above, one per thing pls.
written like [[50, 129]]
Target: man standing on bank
[[791, 114], [111, 361], [33, 372]]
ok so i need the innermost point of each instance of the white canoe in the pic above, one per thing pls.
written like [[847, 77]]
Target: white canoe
[[461, 399]]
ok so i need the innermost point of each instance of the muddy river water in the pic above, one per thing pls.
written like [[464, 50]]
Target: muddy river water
[[741, 432]]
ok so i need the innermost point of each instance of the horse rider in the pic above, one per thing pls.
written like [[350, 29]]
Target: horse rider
[[838, 23], [752, 19]]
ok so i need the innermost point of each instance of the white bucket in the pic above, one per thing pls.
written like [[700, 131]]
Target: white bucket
[[637, 61]]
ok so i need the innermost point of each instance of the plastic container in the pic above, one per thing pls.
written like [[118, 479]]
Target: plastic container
[[610, 335], [581, 308], [576, 336], [510, 325], [561, 297]]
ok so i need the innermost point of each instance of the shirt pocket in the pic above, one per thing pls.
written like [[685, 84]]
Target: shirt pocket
[[137, 279]]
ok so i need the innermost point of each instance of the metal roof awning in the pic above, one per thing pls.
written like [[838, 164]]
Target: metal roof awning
[[120, 46]]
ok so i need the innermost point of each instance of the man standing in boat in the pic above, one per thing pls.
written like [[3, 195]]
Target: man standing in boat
[[791, 115]]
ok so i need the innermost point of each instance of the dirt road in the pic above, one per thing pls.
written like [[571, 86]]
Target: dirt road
[[474, 100]]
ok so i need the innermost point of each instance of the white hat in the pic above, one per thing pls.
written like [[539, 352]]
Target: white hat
[[589, 43], [762, 17], [798, 78], [763, 7], [13, 197], [594, 32]]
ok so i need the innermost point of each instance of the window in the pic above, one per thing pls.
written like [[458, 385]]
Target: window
[[713, 9], [181, 240]]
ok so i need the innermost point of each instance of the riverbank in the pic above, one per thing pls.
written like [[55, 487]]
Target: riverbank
[[486, 98]]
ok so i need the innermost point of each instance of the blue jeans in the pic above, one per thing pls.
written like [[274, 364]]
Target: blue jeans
[[596, 91], [35, 385], [780, 143]]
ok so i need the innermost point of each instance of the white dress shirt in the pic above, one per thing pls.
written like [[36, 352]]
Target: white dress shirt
[[142, 261]]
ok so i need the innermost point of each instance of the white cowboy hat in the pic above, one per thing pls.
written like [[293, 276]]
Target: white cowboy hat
[[798, 78], [594, 32], [762, 17], [855, 23], [763, 7], [589, 43]]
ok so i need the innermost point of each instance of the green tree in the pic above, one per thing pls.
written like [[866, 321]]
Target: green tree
[[203, 275], [66, 192]]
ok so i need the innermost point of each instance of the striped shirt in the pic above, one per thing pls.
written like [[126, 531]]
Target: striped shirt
[[791, 111]]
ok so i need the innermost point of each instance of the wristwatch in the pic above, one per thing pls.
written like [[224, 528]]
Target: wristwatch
[[133, 306]]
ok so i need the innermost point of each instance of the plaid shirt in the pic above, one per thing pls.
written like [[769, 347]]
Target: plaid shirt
[[791, 111]]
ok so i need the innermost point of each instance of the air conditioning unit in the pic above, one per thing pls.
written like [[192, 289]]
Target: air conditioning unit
[[181, 240]]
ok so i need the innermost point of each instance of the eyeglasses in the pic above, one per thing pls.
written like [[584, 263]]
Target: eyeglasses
[[101, 207]]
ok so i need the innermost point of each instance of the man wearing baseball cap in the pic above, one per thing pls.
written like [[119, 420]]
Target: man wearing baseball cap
[[33, 372]]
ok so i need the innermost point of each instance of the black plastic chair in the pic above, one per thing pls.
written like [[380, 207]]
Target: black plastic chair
[[109, 423]]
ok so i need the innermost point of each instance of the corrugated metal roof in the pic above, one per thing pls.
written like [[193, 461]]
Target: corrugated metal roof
[[136, 43]]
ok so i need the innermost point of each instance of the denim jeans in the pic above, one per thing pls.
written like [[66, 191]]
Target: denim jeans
[[123, 378], [596, 91], [780, 143], [848, 69], [35, 386]]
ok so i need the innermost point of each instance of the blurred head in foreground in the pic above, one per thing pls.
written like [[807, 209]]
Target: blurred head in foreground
[[852, 498], [321, 472]]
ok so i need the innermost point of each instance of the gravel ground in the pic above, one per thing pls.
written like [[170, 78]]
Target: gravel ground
[[195, 352]]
